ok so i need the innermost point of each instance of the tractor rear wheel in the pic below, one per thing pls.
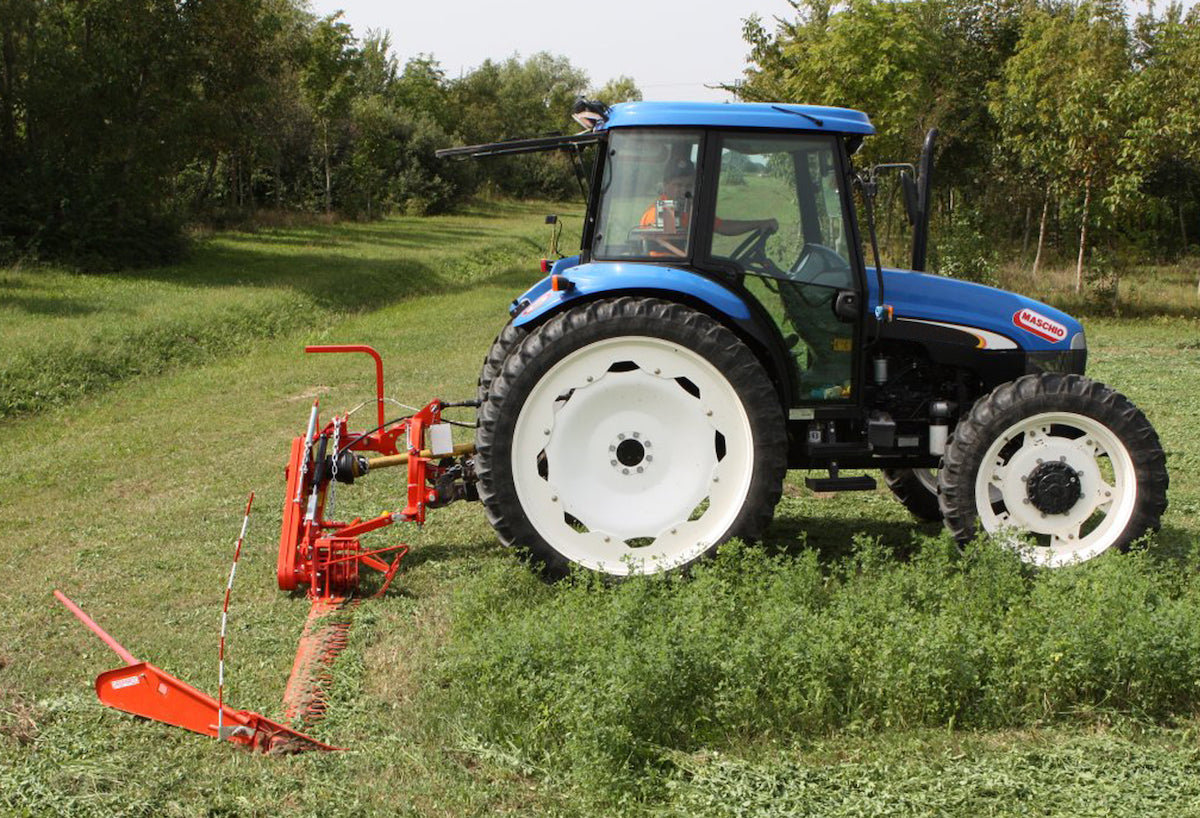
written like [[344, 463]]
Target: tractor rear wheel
[[1061, 458], [630, 435], [917, 490], [501, 347]]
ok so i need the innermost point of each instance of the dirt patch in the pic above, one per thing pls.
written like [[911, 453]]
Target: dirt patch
[[18, 720], [309, 394]]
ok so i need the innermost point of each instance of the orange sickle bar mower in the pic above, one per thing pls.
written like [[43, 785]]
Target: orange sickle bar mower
[[326, 555], [323, 555]]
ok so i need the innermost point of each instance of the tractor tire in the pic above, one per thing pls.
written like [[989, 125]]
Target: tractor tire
[[630, 435], [917, 491], [1063, 459], [502, 346]]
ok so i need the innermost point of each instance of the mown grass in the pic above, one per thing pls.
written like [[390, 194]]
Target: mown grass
[[69, 334], [855, 664]]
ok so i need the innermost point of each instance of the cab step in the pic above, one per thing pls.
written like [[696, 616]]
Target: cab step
[[862, 482], [859, 482]]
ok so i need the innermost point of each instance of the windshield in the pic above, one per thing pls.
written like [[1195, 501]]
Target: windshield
[[648, 193]]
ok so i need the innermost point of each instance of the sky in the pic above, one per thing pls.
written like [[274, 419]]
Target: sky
[[673, 49]]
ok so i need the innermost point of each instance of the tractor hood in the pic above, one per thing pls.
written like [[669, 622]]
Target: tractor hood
[[997, 318]]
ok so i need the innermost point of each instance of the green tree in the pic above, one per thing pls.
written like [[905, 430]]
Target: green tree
[[873, 55], [95, 122], [1064, 104], [515, 98], [618, 89], [328, 80], [422, 89], [1161, 157]]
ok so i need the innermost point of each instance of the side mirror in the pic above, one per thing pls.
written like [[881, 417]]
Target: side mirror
[[847, 306]]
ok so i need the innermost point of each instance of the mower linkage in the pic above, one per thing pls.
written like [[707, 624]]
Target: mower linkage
[[326, 555]]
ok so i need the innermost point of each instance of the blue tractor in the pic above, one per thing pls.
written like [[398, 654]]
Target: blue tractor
[[721, 325]]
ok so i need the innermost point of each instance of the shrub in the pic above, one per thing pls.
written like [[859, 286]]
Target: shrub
[[961, 250]]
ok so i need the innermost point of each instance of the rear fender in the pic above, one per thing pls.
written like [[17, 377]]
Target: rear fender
[[587, 281], [577, 283]]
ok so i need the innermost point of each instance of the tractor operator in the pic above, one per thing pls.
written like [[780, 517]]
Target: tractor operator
[[671, 212]]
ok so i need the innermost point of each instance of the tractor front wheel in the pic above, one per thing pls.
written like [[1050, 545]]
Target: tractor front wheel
[[1061, 459], [630, 435], [917, 490]]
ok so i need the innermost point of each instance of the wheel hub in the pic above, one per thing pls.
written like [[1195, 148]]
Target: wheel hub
[[629, 453], [1054, 488]]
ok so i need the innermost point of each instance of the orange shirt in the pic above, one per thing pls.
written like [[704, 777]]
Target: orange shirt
[[650, 217]]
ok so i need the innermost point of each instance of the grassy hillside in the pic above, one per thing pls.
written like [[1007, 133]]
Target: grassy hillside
[[857, 664], [66, 335]]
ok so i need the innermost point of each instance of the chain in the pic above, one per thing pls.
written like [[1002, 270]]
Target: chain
[[337, 437]]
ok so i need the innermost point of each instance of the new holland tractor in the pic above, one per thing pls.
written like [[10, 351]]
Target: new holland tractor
[[721, 325]]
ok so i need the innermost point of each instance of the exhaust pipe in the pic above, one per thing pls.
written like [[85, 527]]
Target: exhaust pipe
[[919, 214]]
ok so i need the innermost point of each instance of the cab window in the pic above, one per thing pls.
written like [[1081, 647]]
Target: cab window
[[780, 222]]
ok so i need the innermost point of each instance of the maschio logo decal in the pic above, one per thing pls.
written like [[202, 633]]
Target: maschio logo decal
[[1040, 325]]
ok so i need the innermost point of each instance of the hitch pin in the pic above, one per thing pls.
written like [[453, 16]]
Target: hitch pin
[[308, 439]]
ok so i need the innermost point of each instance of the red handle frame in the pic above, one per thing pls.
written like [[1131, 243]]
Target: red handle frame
[[378, 368]]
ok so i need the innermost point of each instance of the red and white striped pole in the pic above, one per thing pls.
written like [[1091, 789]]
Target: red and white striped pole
[[237, 552]]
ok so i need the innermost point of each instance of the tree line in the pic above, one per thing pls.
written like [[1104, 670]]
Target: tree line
[[1064, 125], [121, 121], [1067, 128]]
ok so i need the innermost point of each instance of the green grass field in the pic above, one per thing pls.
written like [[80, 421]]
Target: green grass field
[[854, 664]]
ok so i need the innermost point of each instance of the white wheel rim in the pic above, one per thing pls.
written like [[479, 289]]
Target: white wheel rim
[[1107, 491], [668, 496], [928, 478]]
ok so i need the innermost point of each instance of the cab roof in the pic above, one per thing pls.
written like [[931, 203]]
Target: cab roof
[[738, 115]]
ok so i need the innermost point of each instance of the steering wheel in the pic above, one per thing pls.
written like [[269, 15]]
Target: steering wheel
[[753, 250], [817, 264]]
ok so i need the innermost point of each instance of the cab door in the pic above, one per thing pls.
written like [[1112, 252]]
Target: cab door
[[780, 221]]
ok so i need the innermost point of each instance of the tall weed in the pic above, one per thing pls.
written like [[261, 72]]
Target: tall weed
[[601, 681]]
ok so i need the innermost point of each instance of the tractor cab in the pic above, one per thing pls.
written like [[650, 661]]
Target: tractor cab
[[765, 213], [748, 204]]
